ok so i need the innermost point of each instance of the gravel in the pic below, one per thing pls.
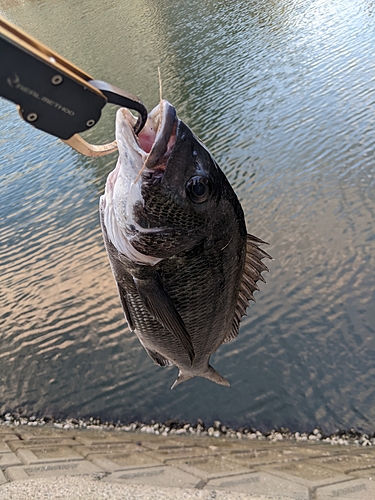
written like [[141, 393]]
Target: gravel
[[175, 427]]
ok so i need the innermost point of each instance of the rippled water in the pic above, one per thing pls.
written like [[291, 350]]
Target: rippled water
[[283, 93]]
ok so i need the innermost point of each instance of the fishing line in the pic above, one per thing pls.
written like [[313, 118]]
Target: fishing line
[[160, 115]]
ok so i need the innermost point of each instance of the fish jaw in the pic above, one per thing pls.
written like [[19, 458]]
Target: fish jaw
[[123, 190], [158, 136]]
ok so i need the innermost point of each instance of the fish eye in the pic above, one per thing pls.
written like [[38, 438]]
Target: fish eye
[[198, 188]]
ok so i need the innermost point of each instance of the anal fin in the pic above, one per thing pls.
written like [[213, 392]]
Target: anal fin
[[158, 358]]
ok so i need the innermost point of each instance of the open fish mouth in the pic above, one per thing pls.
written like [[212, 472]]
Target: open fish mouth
[[157, 138], [147, 151]]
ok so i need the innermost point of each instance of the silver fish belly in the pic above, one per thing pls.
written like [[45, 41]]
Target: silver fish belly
[[177, 243]]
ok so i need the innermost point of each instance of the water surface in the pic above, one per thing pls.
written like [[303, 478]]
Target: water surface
[[283, 95]]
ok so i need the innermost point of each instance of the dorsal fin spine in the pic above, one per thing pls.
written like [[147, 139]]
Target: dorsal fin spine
[[247, 280], [253, 267]]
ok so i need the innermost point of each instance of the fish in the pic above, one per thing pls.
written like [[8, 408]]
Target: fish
[[175, 234]]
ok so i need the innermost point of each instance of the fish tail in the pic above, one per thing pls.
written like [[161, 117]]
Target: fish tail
[[214, 376], [210, 374], [181, 378]]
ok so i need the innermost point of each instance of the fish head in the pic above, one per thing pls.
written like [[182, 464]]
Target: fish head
[[165, 190]]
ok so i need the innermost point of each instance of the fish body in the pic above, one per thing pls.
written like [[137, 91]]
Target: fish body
[[177, 243]]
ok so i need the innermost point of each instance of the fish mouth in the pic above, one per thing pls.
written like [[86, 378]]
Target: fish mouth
[[148, 151], [157, 138], [160, 133]]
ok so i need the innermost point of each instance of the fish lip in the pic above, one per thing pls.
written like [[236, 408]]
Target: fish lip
[[163, 119], [167, 125], [156, 140]]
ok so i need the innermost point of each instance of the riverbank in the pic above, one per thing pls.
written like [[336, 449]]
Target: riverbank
[[92, 459], [175, 427]]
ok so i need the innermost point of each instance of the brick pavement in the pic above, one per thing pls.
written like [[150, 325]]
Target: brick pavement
[[197, 467]]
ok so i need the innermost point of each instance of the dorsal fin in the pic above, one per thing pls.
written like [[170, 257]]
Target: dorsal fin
[[251, 274]]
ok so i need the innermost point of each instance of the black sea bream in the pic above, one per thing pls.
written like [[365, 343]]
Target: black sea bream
[[176, 238]]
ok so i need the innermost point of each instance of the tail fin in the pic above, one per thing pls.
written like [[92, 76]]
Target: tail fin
[[214, 376], [181, 378], [210, 374]]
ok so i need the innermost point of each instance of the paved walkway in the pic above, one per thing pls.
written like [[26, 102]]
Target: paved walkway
[[44, 462]]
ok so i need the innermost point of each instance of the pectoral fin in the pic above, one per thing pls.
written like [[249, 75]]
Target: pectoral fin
[[159, 304], [125, 307]]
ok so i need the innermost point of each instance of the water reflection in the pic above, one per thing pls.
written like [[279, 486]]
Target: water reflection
[[282, 93]]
